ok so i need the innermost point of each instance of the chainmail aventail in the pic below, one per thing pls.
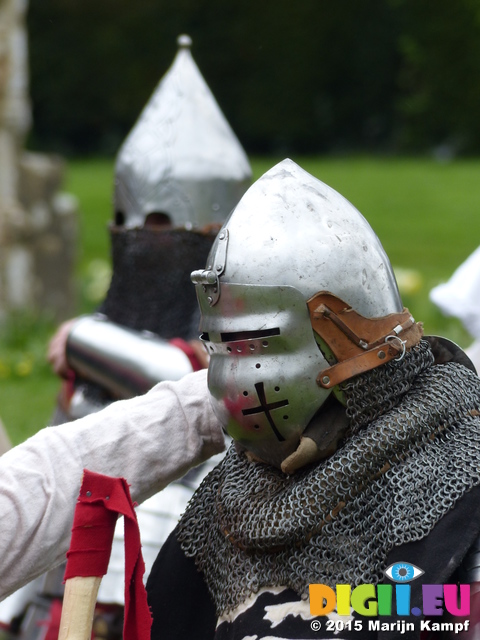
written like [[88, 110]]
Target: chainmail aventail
[[413, 452]]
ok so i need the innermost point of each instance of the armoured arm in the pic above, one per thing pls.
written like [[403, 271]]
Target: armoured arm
[[150, 440], [123, 361]]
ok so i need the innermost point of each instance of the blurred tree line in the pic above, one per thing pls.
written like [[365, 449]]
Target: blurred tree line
[[311, 76]]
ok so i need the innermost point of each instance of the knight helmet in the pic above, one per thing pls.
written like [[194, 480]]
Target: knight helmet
[[183, 165], [292, 273], [181, 157]]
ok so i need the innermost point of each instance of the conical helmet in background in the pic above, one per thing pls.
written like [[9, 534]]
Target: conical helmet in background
[[181, 158], [181, 164]]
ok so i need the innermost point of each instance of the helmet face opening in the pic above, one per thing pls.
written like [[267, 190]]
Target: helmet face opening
[[263, 366]]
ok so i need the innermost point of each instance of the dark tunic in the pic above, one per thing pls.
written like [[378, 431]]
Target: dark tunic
[[182, 607]]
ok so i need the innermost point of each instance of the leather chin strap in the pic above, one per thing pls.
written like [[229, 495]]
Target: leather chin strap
[[359, 344]]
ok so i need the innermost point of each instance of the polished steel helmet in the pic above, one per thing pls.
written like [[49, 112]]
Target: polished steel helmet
[[181, 158], [289, 237]]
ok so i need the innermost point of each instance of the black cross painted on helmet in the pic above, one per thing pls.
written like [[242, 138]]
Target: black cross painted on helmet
[[266, 408]]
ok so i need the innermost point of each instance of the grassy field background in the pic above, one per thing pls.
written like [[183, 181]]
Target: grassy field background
[[426, 214]]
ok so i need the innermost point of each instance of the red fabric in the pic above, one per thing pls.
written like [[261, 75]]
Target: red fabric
[[70, 378], [67, 390], [94, 525], [188, 351], [53, 621], [101, 499]]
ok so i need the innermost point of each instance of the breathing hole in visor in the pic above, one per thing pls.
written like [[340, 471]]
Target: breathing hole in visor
[[266, 408]]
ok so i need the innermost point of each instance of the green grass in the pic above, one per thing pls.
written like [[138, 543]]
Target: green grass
[[28, 388], [425, 214], [91, 181]]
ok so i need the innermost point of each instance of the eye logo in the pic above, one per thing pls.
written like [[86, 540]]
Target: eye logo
[[403, 572]]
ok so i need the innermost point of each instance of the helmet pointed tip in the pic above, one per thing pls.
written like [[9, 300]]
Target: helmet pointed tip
[[286, 166], [286, 163], [184, 41]]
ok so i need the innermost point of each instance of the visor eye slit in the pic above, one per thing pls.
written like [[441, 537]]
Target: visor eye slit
[[205, 337], [236, 336]]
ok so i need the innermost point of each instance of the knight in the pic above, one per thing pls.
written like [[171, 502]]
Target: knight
[[178, 175], [356, 437]]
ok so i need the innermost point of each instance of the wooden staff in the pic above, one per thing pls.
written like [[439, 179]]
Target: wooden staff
[[78, 608]]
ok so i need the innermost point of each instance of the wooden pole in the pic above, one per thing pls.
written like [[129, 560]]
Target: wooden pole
[[79, 608]]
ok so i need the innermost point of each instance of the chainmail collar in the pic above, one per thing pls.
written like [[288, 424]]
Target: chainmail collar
[[375, 392], [249, 526]]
